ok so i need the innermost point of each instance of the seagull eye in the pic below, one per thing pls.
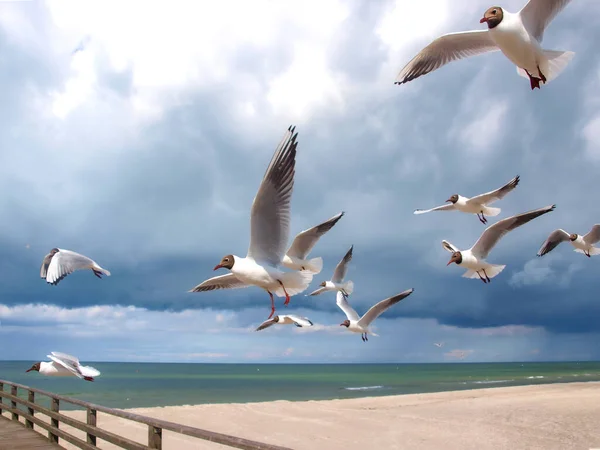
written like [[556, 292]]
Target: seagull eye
[[494, 11]]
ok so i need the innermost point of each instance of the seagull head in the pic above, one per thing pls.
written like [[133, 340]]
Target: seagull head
[[453, 198], [54, 251], [455, 258], [345, 323], [322, 284], [573, 237], [226, 263], [35, 367], [493, 16]]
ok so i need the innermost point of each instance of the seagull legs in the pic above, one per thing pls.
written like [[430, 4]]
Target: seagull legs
[[272, 305], [486, 279], [364, 337], [88, 378], [287, 297], [535, 81], [587, 253], [486, 276], [482, 218], [97, 273]]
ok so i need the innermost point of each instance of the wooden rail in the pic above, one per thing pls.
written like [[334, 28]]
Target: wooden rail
[[155, 426]]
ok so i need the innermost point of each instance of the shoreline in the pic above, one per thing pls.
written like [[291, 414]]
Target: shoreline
[[557, 416]]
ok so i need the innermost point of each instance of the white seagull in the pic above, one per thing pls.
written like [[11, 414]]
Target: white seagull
[[517, 35], [295, 258], [361, 325], [59, 263], [63, 365], [474, 259], [476, 205], [583, 244], [288, 319], [337, 280], [269, 234], [438, 344]]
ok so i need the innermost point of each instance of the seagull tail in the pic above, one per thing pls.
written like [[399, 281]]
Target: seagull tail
[[494, 270], [315, 265], [294, 282], [349, 287], [491, 212]]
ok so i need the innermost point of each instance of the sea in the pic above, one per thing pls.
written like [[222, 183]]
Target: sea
[[134, 385]]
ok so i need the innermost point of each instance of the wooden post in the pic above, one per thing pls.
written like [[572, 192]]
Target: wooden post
[[1, 398], [54, 406], [154, 437], [91, 420], [13, 404], [31, 399]]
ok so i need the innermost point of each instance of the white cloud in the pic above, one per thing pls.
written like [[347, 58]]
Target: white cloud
[[541, 271]]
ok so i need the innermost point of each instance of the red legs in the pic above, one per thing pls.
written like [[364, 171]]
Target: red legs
[[272, 305], [482, 218], [88, 378], [535, 81], [287, 297]]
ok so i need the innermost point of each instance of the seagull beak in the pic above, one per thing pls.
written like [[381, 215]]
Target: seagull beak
[[341, 324], [218, 266], [449, 200], [483, 20], [28, 370], [450, 262]]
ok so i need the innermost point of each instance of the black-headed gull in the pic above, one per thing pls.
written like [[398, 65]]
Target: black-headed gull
[[287, 319], [474, 259], [337, 280], [269, 234], [295, 258], [583, 244], [517, 35], [63, 365], [361, 325], [59, 263], [476, 205]]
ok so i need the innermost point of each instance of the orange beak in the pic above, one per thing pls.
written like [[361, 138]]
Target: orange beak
[[450, 262], [483, 20]]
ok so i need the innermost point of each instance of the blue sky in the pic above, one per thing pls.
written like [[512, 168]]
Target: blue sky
[[145, 149]]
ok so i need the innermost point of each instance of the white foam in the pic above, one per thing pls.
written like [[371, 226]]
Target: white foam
[[363, 388]]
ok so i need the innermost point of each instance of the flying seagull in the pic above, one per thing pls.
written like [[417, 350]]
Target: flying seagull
[[288, 319], [583, 244], [269, 234], [361, 325], [517, 35], [63, 365], [337, 280], [59, 263], [474, 259], [295, 258], [476, 205]]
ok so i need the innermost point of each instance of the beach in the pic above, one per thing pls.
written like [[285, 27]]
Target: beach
[[555, 416]]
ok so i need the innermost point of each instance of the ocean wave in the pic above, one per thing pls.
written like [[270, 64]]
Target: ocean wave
[[535, 376], [492, 381], [363, 388]]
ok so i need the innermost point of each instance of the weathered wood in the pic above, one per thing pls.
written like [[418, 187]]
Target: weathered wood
[[91, 420], [30, 399], [1, 390], [14, 436], [13, 404], [54, 406], [155, 424], [155, 437]]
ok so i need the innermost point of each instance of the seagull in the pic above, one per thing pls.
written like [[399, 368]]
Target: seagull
[[269, 234], [286, 320], [438, 344], [59, 263], [583, 244], [476, 205], [474, 259], [517, 35], [337, 280], [63, 365], [361, 325], [295, 258]]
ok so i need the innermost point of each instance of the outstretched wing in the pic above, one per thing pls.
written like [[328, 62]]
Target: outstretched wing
[[266, 324], [448, 246], [300, 321], [45, 264], [593, 236], [380, 307], [270, 214], [306, 240], [448, 207], [490, 197], [68, 362], [537, 15], [340, 270], [343, 304], [555, 238], [494, 233], [227, 281], [65, 262]]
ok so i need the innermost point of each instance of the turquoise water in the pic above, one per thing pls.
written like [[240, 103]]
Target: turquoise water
[[129, 385]]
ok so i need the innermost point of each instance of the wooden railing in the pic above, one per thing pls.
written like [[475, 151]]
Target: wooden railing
[[155, 426]]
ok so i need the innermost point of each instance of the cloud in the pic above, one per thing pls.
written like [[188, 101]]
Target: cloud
[[539, 271]]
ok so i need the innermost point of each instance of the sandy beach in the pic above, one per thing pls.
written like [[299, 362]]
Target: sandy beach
[[557, 416]]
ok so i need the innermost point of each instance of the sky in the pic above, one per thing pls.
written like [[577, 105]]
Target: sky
[[137, 133]]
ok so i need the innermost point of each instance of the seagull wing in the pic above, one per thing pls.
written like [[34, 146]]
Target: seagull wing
[[64, 263], [448, 207], [227, 281], [68, 362], [447, 48], [490, 197], [340, 270], [270, 214], [593, 236], [306, 240], [537, 15], [494, 233], [555, 238], [448, 246], [343, 304], [266, 324], [300, 321], [380, 307]]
